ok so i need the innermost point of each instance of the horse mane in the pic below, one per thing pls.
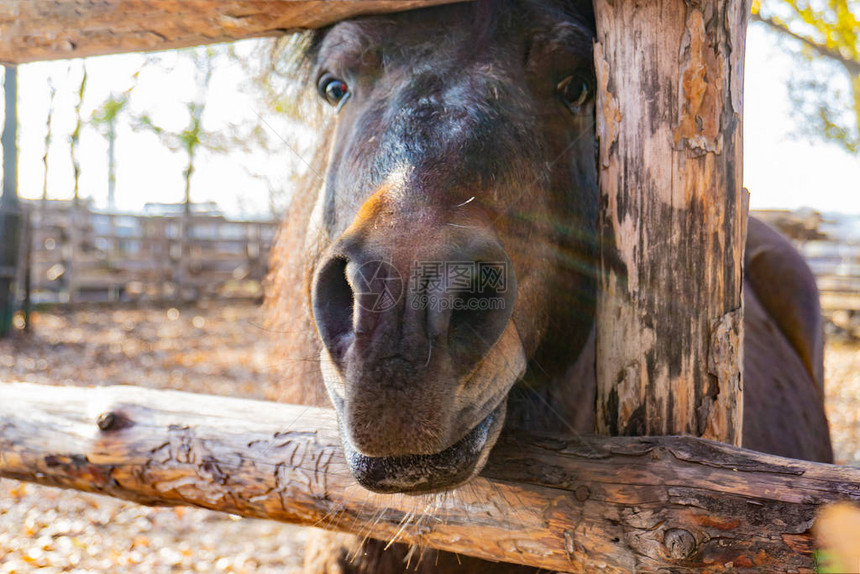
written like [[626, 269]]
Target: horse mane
[[292, 260]]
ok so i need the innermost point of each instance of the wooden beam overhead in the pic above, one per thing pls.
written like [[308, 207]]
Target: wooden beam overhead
[[32, 30]]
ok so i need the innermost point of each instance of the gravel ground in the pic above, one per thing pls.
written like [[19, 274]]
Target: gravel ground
[[219, 349]]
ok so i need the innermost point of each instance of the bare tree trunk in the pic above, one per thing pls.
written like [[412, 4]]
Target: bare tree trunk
[[673, 215], [75, 138], [854, 77], [111, 137], [573, 504], [114, 250], [48, 137], [185, 225], [75, 28]]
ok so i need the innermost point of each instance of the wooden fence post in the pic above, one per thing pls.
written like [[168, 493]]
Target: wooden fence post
[[10, 209], [673, 216]]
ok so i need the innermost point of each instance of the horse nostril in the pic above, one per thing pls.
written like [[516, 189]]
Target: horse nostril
[[333, 303], [477, 321]]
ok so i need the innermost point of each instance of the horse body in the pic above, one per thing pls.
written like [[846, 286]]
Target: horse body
[[465, 135]]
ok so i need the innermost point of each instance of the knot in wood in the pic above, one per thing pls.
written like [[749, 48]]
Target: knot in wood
[[112, 421], [582, 493], [679, 543]]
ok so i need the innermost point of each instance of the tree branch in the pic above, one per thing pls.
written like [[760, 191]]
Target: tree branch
[[852, 66], [571, 504]]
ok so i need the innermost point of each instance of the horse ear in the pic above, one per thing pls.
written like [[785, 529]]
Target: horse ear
[[584, 10]]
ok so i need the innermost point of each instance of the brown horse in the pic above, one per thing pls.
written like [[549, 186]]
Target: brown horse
[[437, 278]]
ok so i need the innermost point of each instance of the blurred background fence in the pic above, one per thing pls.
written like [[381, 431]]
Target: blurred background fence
[[78, 254], [831, 245], [81, 255]]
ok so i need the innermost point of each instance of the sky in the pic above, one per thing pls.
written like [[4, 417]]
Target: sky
[[781, 171], [147, 170]]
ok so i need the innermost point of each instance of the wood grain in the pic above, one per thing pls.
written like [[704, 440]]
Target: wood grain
[[672, 217], [573, 504], [50, 29]]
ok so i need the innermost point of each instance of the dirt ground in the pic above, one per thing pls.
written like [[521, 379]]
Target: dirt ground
[[842, 399], [221, 349], [218, 349]]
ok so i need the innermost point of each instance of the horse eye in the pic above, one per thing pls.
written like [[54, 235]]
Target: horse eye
[[333, 90], [574, 91]]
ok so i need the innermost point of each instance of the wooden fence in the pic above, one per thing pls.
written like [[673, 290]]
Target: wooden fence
[[836, 265], [642, 508], [82, 255], [831, 246], [78, 254], [563, 503]]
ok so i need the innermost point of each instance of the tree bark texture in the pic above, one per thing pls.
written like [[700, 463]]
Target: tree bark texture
[[50, 29], [572, 504], [672, 216]]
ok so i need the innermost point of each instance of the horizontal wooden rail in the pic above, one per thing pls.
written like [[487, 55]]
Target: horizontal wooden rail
[[562, 503], [49, 29]]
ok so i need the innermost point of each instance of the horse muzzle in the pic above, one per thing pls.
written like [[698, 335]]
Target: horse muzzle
[[419, 354], [423, 473]]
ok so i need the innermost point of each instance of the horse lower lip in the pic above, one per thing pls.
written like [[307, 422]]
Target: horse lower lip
[[424, 472]]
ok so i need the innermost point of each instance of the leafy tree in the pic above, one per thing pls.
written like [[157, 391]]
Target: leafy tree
[[828, 35], [193, 138], [105, 119], [292, 119]]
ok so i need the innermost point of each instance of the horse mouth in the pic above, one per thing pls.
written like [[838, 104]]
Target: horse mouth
[[424, 473]]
